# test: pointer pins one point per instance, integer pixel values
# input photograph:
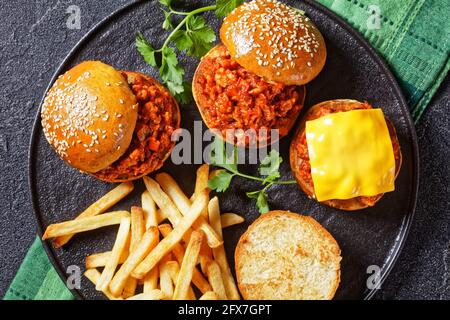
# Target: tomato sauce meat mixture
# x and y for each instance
(302, 150)
(151, 143)
(235, 98)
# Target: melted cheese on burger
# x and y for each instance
(351, 154)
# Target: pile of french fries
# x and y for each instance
(167, 246)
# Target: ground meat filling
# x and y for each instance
(302, 151)
(157, 119)
(239, 99)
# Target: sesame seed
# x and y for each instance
(286, 32)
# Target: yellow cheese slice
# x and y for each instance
(351, 154)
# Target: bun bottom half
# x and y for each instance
(118, 172)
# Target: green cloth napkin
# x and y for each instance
(412, 36)
(37, 279)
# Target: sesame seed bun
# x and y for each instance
(339, 105)
(287, 256)
(114, 125)
(274, 41)
(84, 110)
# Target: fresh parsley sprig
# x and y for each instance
(191, 35)
(269, 169)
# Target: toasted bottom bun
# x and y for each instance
(244, 101)
(340, 105)
(287, 256)
(153, 151)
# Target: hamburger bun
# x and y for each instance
(287, 256)
(203, 100)
(78, 119)
(93, 117)
(339, 105)
(274, 41)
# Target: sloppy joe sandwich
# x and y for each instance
(287, 256)
(114, 125)
(255, 79)
(345, 154)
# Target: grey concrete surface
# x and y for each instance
(33, 41)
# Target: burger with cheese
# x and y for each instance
(345, 154)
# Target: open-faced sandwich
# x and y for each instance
(345, 154)
(114, 125)
(255, 79)
(287, 256)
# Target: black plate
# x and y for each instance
(353, 70)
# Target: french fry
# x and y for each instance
(178, 202)
(165, 204)
(137, 227)
(215, 279)
(152, 220)
(147, 243)
(174, 270)
(152, 295)
(219, 253)
(162, 200)
(151, 280)
(118, 248)
(205, 256)
(137, 231)
(160, 216)
(129, 289)
(165, 280)
(210, 295)
(173, 190)
(149, 207)
(187, 266)
(99, 206)
(94, 275)
(84, 224)
(197, 278)
(98, 260)
(230, 219)
(166, 245)
(201, 183)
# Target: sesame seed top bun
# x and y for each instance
(274, 41)
(89, 116)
